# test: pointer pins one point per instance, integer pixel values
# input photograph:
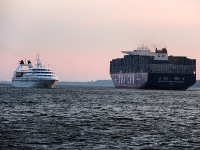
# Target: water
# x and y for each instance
(72, 117)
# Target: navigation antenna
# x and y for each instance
(36, 60)
(142, 47)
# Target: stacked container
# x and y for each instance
(115, 65)
(181, 60)
(130, 63)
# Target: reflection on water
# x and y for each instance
(72, 117)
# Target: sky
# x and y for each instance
(79, 38)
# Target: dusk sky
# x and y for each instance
(79, 38)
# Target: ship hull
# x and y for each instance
(154, 81)
(34, 83)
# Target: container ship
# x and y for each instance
(143, 69)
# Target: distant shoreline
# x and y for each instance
(91, 83)
(95, 83)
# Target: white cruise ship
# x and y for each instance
(36, 77)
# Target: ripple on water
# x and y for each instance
(73, 117)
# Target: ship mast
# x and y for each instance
(38, 57)
(39, 63)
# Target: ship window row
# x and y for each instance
(41, 72)
(160, 55)
(28, 76)
(41, 69)
(35, 78)
(47, 75)
(45, 72)
(29, 81)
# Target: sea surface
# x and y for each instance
(81, 117)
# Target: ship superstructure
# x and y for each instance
(144, 69)
(38, 76)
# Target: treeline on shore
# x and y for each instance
(89, 83)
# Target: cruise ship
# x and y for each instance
(144, 69)
(34, 77)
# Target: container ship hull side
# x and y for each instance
(129, 80)
(170, 81)
(154, 81)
